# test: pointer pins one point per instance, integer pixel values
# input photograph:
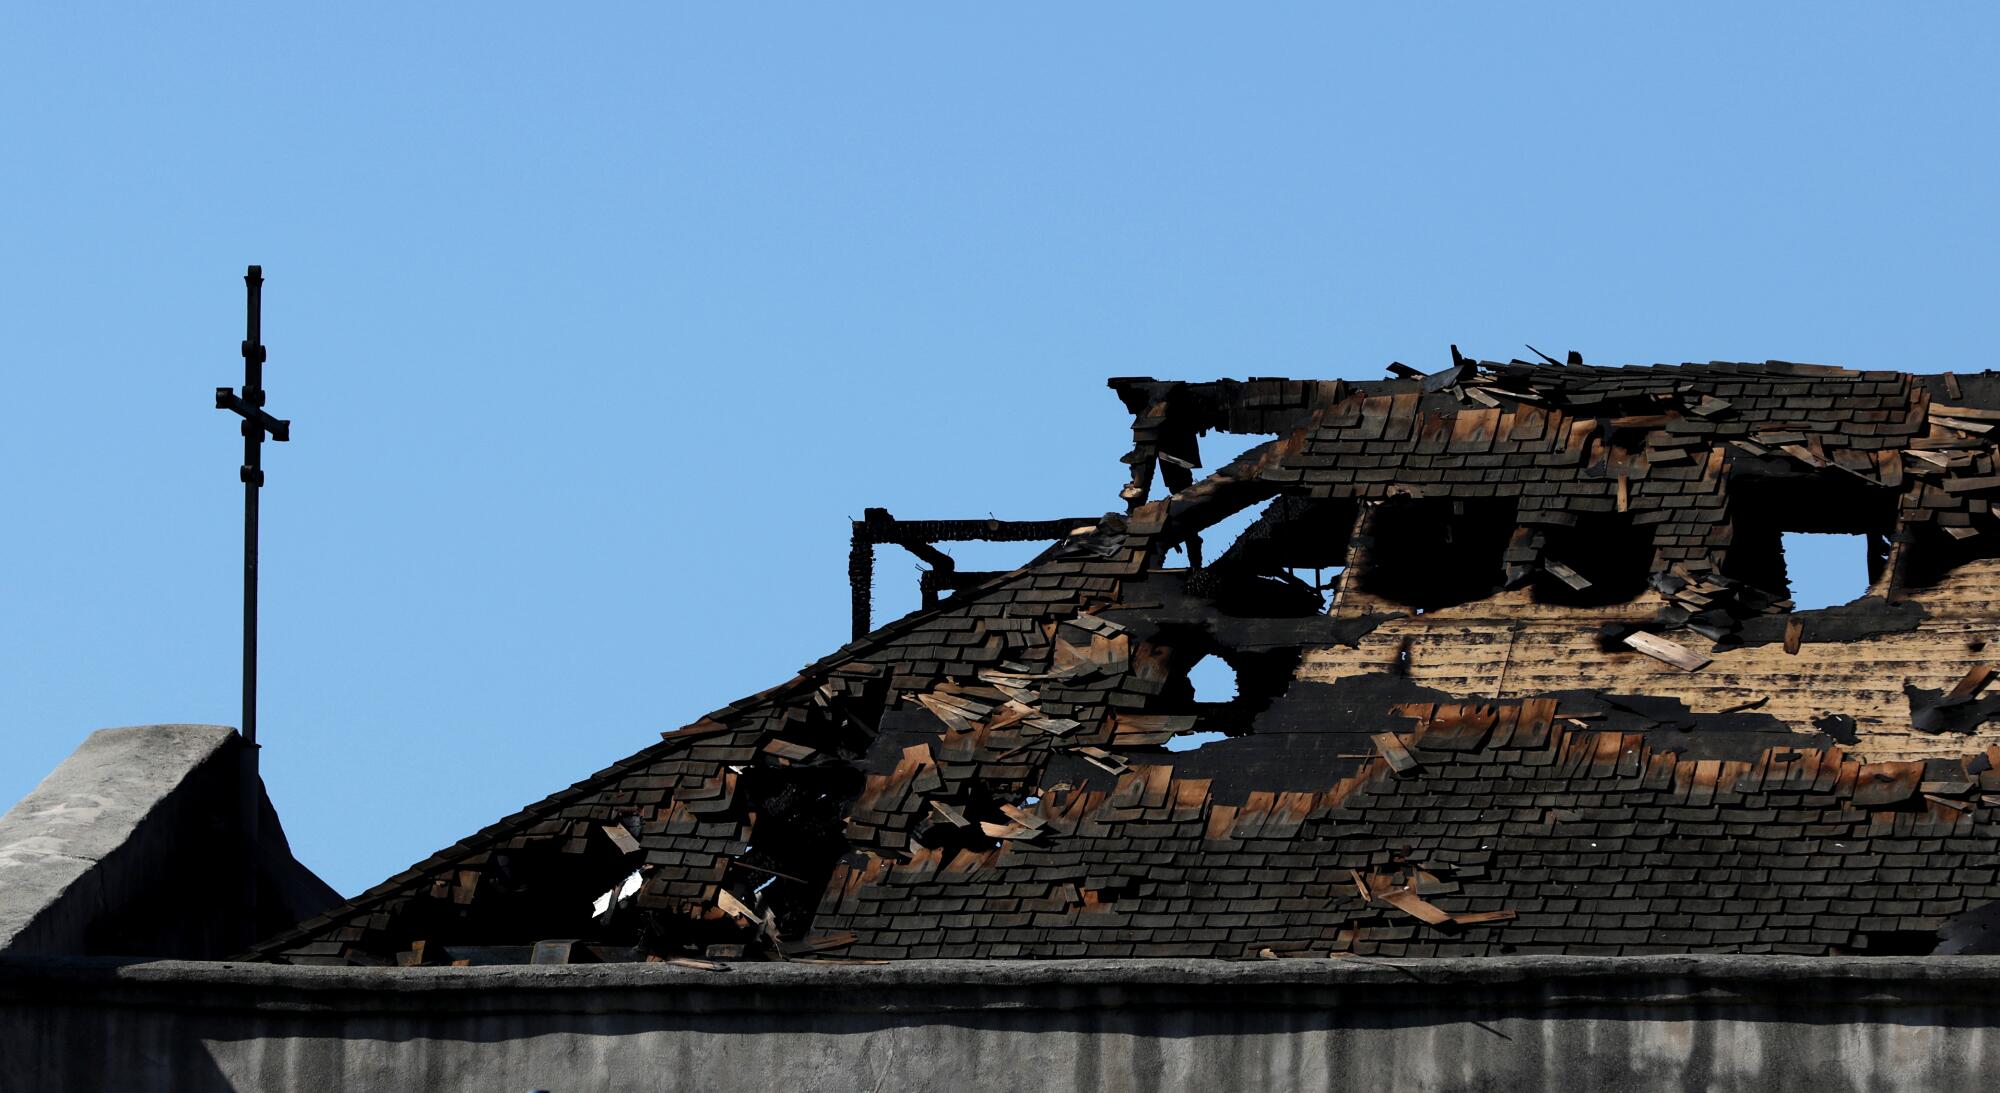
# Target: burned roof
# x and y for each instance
(1517, 671)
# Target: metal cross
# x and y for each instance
(250, 406)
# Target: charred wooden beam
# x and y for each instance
(877, 526)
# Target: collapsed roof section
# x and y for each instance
(1553, 698)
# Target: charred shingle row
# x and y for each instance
(1517, 833)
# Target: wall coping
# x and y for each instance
(969, 986)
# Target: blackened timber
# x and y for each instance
(916, 536)
(884, 528)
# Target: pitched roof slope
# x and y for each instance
(1554, 699)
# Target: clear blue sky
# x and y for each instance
(598, 323)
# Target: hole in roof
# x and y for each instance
(1825, 570)
(1174, 478)
(1217, 538)
(617, 894)
(899, 574)
(1189, 741)
(985, 555)
(1213, 680)
(1817, 540)
(1213, 446)
(1602, 559)
(1238, 445)
(1431, 553)
(1324, 580)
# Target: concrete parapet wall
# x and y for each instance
(100, 835)
(135, 846)
(1574, 1024)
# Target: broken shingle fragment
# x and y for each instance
(1659, 648)
(1566, 575)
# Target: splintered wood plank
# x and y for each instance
(730, 905)
(1803, 454)
(621, 838)
(1674, 653)
(952, 716)
(1567, 575)
(1482, 918)
(785, 749)
(1963, 425)
(1416, 906)
(1392, 748)
(1970, 685)
(1795, 632)
(1102, 759)
(1007, 831)
(1025, 818)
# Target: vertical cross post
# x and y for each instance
(249, 405)
(256, 423)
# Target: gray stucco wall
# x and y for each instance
(1543, 1023)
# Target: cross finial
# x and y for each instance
(249, 405)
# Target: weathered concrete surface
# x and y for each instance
(133, 846)
(1576, 1024)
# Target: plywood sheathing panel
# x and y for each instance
(1558, 649)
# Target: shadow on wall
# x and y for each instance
(134, 846)
(1624, 1023)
